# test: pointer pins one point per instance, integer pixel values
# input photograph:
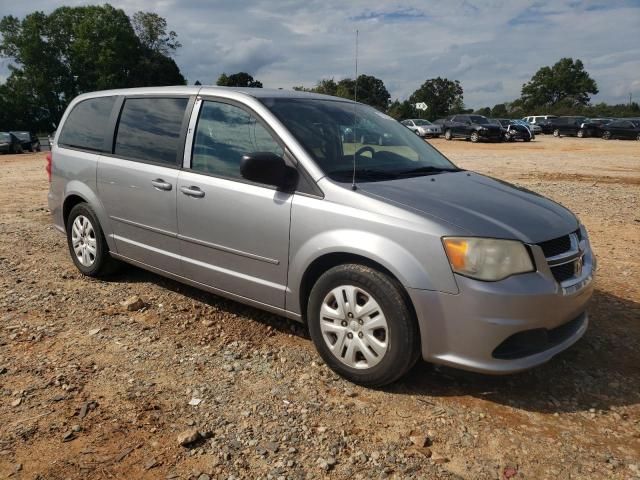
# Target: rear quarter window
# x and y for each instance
(87, 123)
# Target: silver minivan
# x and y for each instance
(386, 252)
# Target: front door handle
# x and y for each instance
(160, 184)
(192, 191)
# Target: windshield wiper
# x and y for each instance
(365, 173)
(430, 170)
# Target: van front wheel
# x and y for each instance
(361, 325)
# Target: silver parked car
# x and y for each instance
(388, 253)
(422, 128)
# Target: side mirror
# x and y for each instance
(267, 168)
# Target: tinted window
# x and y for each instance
(149, 129)
(86, 124)
(224, 134)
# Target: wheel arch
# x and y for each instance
(78, 192)
(327, 261)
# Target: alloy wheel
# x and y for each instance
(83, 240)
(606, 135)
(354, 327)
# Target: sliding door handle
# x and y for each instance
(160, 184)
(192, 191)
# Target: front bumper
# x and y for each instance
(484, 326)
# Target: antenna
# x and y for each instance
(355, 113)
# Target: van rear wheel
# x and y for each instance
(361, 325)
(87, 245)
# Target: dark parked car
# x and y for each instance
(629, 129)
(9, 143)
(567, 125)
(592, 127)
(516, 130)
(473, 127)
(546, 125)
(28, 140)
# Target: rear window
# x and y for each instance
(149, 129)
(86, 124)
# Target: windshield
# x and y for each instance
(479, 119)
(4, 137)
(422, 122)
(22, 135)
(384, 149)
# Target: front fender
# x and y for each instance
(409, 270)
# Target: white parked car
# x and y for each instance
(423, 128)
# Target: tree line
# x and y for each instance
(81, 49)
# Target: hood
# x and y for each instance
(480, 205)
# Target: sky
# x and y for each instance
(491, 46)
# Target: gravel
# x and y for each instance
(187, 385)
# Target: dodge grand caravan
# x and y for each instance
(387, 252)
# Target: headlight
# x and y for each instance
(487, 258)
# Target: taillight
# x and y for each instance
(48, 167)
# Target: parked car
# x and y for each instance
(29, 141)
(516, 130)
(423, 128)
(9, 143)
(364, 136)
(592, 127)
(387, 254)
(546, 125)
(472, 127)
(622, 128)
(567, 125)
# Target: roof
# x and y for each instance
(212, 90)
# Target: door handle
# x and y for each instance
(192, 192)
(160, 184)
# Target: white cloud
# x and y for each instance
(492, 47)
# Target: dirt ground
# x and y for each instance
(89, 390)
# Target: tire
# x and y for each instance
(638, 137)
(474, 137)
(606, 135)
(556, 133)
(527, 139)
(580, 133)
(88, 236)
(395, 338)
(447, 134)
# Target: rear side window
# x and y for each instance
(224, 134)
(149, 129)
(86, 125)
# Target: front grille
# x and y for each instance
(566, 246)
(557, 246)
(564, 272)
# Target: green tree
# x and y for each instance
(151, 30)
(499, 110)
(442, 96)
(240, 79)
(486, 111)
(565, 83)
(70, 51)
(402, 110)
(371, 90)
